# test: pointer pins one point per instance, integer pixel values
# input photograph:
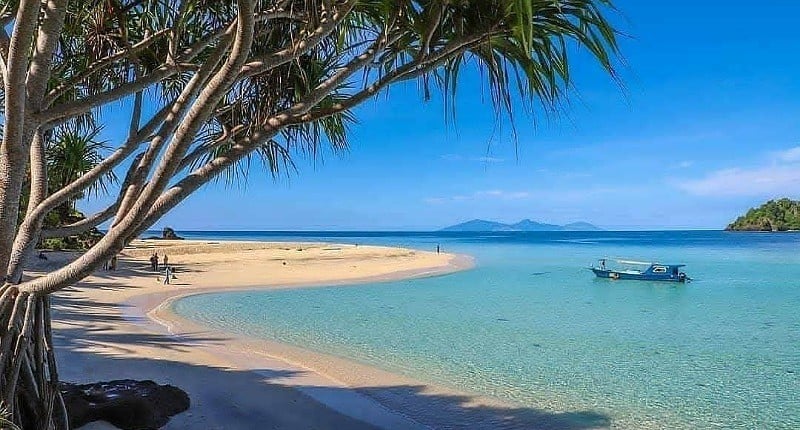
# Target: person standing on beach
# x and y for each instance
(437, 248)
(113, 263)
(166, 260)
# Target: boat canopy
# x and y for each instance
(642, 263)
(638, 263)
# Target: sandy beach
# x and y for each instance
(118, 324)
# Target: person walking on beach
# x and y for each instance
(166, 260)
(167, 274)
(437, 248)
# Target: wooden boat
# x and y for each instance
(640, 271)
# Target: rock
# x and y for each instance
(169, 234)
(126, 403)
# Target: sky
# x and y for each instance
(704, 126)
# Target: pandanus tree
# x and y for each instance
(210, 85)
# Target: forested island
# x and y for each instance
(774, 215)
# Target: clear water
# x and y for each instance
(531, 325)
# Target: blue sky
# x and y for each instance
(706, 127)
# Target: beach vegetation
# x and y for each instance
(203, 91)
(774, 215)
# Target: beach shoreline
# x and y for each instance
(327, 370)
(125, 328)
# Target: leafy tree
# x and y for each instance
(70, 154)
(774, 215)
(208, 86)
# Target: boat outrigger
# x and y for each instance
(641, 271)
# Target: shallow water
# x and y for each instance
(531, 325)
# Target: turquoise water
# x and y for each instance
(531, 325)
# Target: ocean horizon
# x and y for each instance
(532, 326)
(213, 232)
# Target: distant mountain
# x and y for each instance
(479, 225)
(528, 225)
(774, 215)
(581, 226)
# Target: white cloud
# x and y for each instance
(482, 195)
(685, 164)
(544, 196)
(506, 195)
(490, 159)
(789, 155)
(486, 159)
(759, 181)
(777, 174)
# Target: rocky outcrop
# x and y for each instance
(169, 234)
(126, 403)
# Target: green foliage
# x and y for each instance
(522, 49)
(72, 151)
(79, 242)
(54, 244)
(774, 215)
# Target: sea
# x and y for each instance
(532, 326)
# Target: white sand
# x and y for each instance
(102, 334)
(119, 325)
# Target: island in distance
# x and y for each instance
(479, 225)
(774, 215)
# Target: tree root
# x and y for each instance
(29, 386)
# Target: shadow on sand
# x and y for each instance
(227, 398)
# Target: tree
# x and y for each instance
(210, 84)
(774, 215)
(71, 153)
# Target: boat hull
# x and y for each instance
(622, 275)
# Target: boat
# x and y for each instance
(640, 271)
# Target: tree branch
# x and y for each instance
(4, 46)
(77, 107)
(298, 113)
(129, 53)
(86, 104)
(199, 113)
(410, 70)
(38, 191)
(113, 242)
(38, 76)
(13, 156)
(83, 225)
(46, 43)
(177, 111)
(102, 168)
(327, 25)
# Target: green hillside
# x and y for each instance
(774, 215)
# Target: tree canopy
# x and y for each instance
(774, 215)
(209, 86)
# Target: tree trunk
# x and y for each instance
(29, 390)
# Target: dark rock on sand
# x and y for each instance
(126, 403)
